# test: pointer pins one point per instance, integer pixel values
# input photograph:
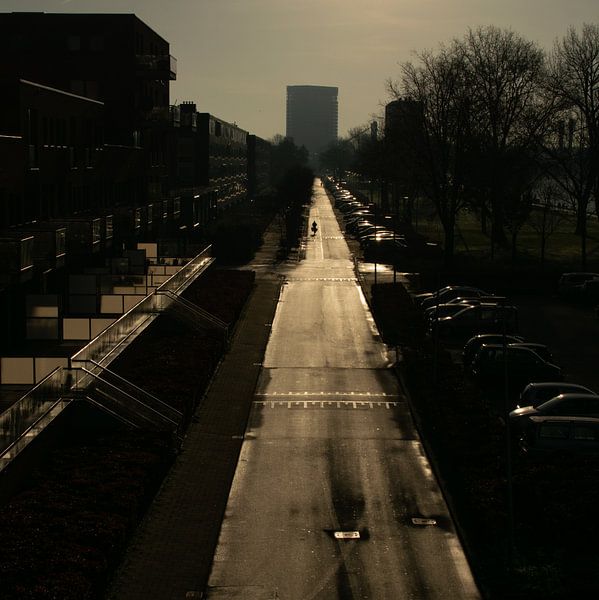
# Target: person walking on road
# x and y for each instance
(314, 228)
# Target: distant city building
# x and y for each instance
(312, 116)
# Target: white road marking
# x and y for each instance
(332, 393)
(347, 535)
(325, 404)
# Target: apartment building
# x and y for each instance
(312, 116)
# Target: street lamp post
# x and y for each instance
(392, 218)
(375, 240)
(508, 441)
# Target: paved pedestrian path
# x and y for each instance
(171, 554)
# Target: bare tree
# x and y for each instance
(337, 157)
(504, 73)
(547, 214)
(572, 152)
(430, 146)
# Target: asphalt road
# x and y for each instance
(331, 451)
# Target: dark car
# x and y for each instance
(447, 310)
(345, 207)
(448, 293)
(564, 405)
(571, 285)
(545, 434)
(384, 250)
(473, 344)
(473, 320)
(359, 217)
(358, 212)
(540, 391)
(454, 306)
(489, 367)
(541, 349)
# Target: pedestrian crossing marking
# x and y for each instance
(322, 393)
(348, 279)
(352, 404)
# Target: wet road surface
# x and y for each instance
(331, 472)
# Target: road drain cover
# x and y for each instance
(347, 535)
(420, 521)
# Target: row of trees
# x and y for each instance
(292, 180)
(491, 121)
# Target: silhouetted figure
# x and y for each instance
(314, 228)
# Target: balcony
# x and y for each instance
(84, 234)
(49, 246)
(152, 66)
(158, 114)
(16, 257)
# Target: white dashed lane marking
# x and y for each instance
(343, 404)
(345, 279)
(369, 394)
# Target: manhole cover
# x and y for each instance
(347, 535)
(420, 521)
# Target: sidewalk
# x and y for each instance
(170, 556)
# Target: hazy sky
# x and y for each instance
(236, 57)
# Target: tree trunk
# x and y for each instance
(544, 233)
(583, 246)
(449, 231)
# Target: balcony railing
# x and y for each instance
(156, 66)
(88, 377)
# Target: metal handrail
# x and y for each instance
(142, 314)
(199, 311)
(107, 344)
(128, 395)
(143, 392)
(23, 427)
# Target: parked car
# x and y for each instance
(448, 293)
(564, 405)
(345, 207)
(447, 310)
(473, 320)
(360, 217)
(523, 366)
(381, 234)
(474, 343)
(541, 349)
(540, 391)
(560, 434)
(590, 291)
(384, 250)
(456, 305)
(360, 212)
(571, 285)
